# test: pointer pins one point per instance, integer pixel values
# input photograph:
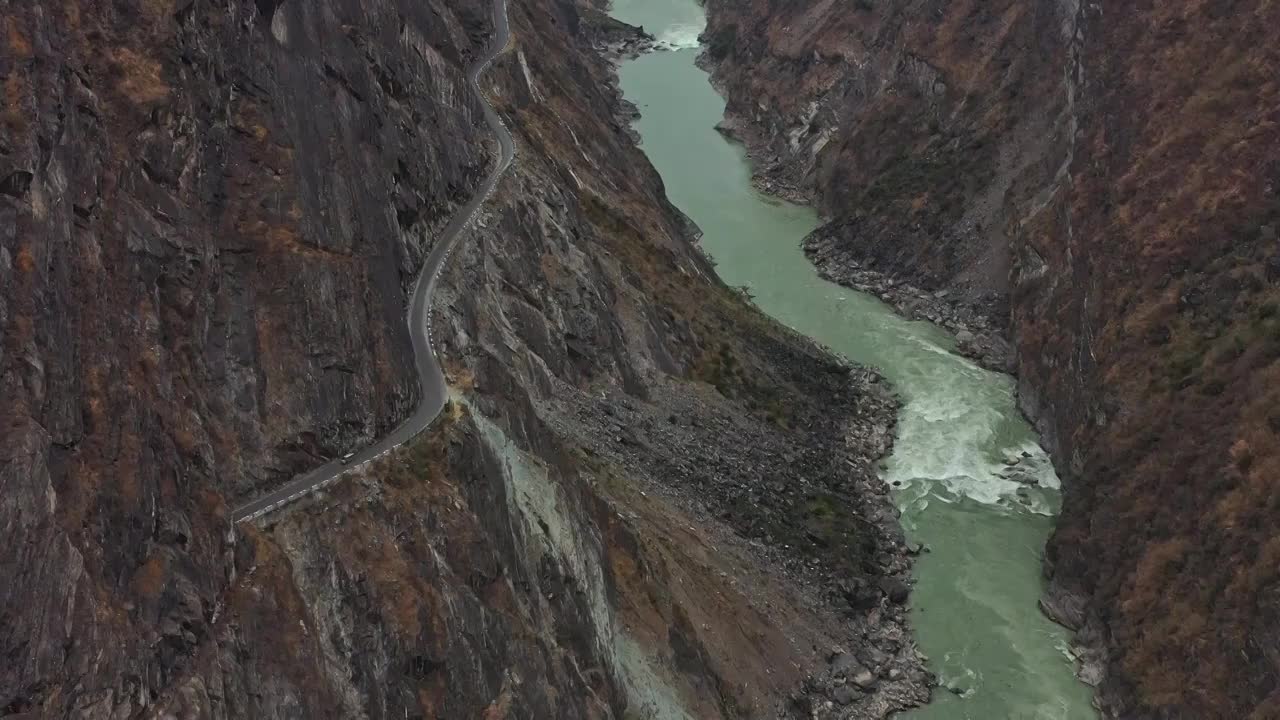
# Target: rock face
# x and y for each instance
(655, 502)
(207, 218)
(1103, 182)
(917, 131)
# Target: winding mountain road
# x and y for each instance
(435, 393)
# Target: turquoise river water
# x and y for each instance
(974, 608)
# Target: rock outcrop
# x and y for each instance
(649, 500)
(1102, 186)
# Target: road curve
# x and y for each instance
(435, 393)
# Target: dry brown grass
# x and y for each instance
(19, 45)
(158, 12)
(269, 605)
(138, 78)
(149, 579)
(15, 93)
(1184, 467)
(459, 376)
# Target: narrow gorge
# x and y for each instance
(1088, 195)
(751, 389)
(974, 488)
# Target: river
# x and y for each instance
(974, 607)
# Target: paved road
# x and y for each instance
(430, 376)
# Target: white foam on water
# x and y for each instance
(966, 681)
(950, 446)
(929, 346)
(683, 36)
(1038, 465)
(1068, 653)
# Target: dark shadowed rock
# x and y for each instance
(895, 589)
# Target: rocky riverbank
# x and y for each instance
(978, 337)
(804, 502)
(976, 320)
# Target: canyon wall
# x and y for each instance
(648, 499)
(1101, 184)
(201, 265)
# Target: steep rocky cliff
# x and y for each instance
(1100, 183)
(653, 501)
(924, 134)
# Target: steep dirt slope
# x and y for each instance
(1102, 181)
(654, 500)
